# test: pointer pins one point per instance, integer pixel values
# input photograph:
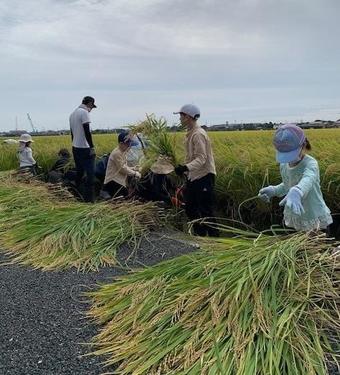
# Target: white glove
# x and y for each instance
(267, 193)
(138, 175)
(293, 200)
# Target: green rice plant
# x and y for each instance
(8, 157)
(243, 306)
(45, 149)
(159, 141)
(150, 126)
(39, 230)
(245, 162)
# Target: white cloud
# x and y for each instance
(226, 55)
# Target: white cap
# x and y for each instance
(25, 138)
(189, 109)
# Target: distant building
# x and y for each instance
(219, 127)
(16, 133)
(317, 124)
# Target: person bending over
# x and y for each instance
(117, 170)
(304, 206)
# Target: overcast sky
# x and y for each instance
(238, 60)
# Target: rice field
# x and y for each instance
(245, 162)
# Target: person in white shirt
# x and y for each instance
(82, 146)
(25, 154)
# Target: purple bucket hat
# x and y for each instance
(288, 141)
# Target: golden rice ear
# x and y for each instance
(160, 142)
(235, 306)
(43, 228)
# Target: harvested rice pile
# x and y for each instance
(244, 306)
(39, 229)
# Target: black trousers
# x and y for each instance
(33, 169)
(115, 189)
(85, 165)
(199, 201)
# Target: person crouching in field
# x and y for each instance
(304, 206)
(25, 154)
(59, 169)
(156, 185)
(117, 170)
(64, 158)
(200, 170)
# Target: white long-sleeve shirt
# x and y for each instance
(25, 156)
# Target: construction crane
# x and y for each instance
(31, 122)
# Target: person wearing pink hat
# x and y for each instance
(304, 206)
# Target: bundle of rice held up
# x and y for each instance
(242, 307)
(39, 229)
(159, 141)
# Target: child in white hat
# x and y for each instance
(25, 153)
(304, 206)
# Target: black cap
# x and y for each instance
(124, 137)
(89, 100)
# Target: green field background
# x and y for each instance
(245, 161)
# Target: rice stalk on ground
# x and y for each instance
(244, 306)
(39, 230)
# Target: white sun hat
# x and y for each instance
(162, 166)
(25, 138)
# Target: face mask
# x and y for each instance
(298, 159)
(295, 161)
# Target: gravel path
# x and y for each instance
(42, 322)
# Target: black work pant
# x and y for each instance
(115, 189)
(33, 169)
(159, 188)
(84, 162)
(199, 201)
